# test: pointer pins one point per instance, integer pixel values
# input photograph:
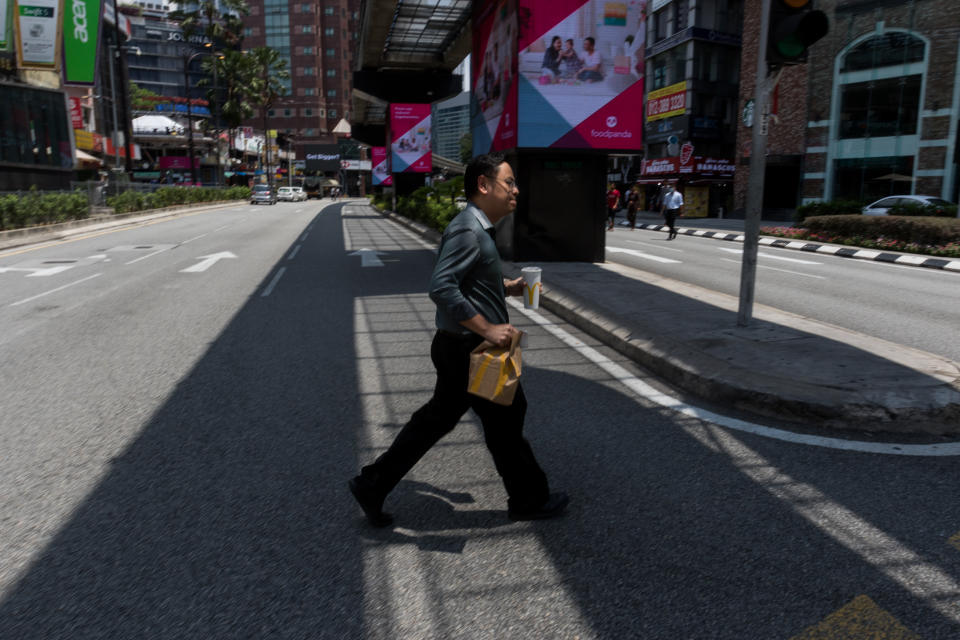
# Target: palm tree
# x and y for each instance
(268, 84)
(235, 72)
(220, 21)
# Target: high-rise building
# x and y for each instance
(317, 41)
(450, 122)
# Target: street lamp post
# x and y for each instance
(115, 50)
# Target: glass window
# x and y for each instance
(890, 49)
(880, 108)
(332, 113)
(306, 8)
(308, 112)
(306, 28)
(309, 71)
(331, 73)
(329, 11)
(308, 51)
(331, 52)
(329, 31)
(331, 93)
(309, 91)
(862, 178)
(681, 9)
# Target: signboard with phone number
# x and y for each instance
(667, 102)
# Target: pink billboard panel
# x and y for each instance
(410, 138)
(493, 71)
(580, 74)
(381, 172)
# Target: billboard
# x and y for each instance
(580, 79)
(81, 33)
(381, 170)
(493, 69)
(667, 102)
(410, 138)
(321, 157)
(38, 31)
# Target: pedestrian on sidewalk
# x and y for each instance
(470, 293)
(633, 200)
(672, 208)
(613, 201)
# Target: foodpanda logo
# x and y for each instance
(611, 121)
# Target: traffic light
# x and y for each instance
(794, 26)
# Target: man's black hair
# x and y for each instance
(485, 165)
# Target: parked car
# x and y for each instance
(882, 207)
(291, 194)
(262, 193)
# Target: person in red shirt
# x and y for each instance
(613, 202)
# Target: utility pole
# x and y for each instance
(758, 167)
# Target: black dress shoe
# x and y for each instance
(370, 503)
(553, 507)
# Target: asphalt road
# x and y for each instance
(176, 441)
(912, 306)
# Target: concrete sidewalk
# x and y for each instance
(783, 365)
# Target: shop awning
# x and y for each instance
(85, 158)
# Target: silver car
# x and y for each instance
(263, 194)
(882, 207)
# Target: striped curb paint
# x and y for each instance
(814, 247)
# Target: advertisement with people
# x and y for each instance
(493, 70)
(410, 138)
(580, 72)
(381, 170)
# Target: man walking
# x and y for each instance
(469, 291)
(671, 208)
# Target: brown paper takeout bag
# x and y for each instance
(495, 371)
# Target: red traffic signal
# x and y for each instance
(794, 26)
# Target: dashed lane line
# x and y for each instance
(61, 288)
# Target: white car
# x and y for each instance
(882, 207)
(291, 194)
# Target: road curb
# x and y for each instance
(843, 251)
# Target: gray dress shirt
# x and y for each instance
(466, 278)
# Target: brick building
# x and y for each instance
(318, 41)
(873, 113)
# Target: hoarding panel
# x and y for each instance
(81, 33)
(493, 109)
(410, 138)
(321, 157)
(381, 172)
(37, 26)
(580, 74)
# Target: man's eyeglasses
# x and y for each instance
(510, 183)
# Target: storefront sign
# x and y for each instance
(37, 30)
(683, 164)
(81, 33)
(76, 112)
(321, 157)
(667, 102)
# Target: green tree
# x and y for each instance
(220, 21)
(235, 71)
(269, 82)
(139, 98)
(466, 148)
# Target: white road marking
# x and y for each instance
(33, 272)
(763, 266)
(645, 390)
(149, 255)
(208, 261)
(46, 293)
(304, 236)
(293, 253)
(653, 246)
(645, 256)
(202, 235)
(368, 257)
(772, 256)
(273, 283)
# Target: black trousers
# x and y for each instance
(524, 480)
(671, 218)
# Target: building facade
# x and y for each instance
(450, 122)
(317, 40)
(876, 107)
(692, 82)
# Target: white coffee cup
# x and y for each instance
(531, 287)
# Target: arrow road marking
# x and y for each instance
(368, 257)
(207, 261)
(640, 254)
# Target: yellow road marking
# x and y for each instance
(860, 619)
(955, 540)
